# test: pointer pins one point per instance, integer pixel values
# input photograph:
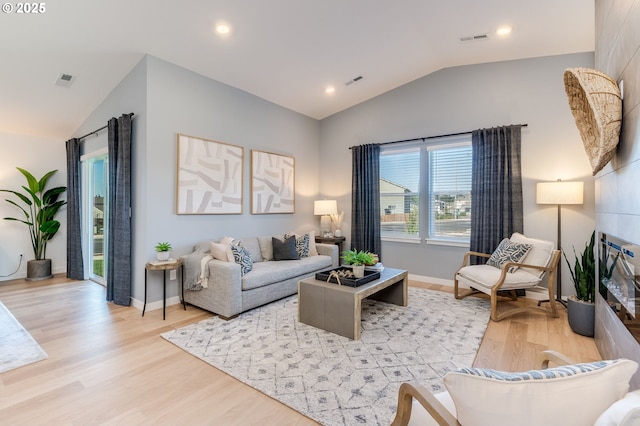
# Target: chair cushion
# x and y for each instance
(420, 416)
(508, 251)
(624, 412)
(575, 394)
(539, 255)
(484, 277)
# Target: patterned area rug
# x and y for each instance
(17, 347)
(335, 380)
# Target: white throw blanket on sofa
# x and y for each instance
(203, 279)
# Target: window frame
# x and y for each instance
(425, 191)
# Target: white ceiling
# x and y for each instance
(285, 51)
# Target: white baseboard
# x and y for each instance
(151, 306)
(431, 280)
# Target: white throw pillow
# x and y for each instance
(575, 394)
(625, 412)
(221, 251)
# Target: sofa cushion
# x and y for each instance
(266, 247)
(252, 244)
(265, 273)
(284, 249)
(539, 397)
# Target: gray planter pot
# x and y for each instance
(39, 270)
(581, 316)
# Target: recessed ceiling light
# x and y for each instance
(329, 90)
(223, 29)
(503, 31)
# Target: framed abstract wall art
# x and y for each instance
(272, 183)
(209, 177)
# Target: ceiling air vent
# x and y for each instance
(353, 80)
(477, 37)
(65, 80)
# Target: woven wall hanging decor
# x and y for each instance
(596, 105)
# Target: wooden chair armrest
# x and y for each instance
(407, 392)
(467, 255)
(547, 356)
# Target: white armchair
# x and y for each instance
(576, 394)
(518, 263)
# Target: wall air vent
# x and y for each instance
(65, 80)
(477, 37)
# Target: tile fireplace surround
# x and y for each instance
(617, 331)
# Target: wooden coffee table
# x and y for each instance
(338, 308)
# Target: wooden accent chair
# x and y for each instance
(500, 277)
(573, 394)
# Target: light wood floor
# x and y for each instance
(108, 365)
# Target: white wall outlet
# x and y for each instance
(172, 274)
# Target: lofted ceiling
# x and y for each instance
(284, 51)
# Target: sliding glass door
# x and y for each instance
(94, 214)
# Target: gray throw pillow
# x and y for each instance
(508, 251)
(284, 250)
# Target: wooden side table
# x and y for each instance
(164, 267)
(332, 240)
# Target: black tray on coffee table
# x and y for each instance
(351, 282)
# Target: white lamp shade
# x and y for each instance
(559, 192)
(323, 207)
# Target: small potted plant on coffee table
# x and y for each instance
(162, 250)
(358, 259)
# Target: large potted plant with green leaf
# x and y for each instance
(39, 207)
(581, 307)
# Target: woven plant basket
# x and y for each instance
(596, 105)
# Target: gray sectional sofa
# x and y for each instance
(217, 285)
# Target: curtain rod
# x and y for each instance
(435, 137)
(100, 129)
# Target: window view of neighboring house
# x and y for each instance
(443, 210)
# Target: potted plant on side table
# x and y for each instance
(581, 307)
(39, 207)
(358, 260)
(162, 251)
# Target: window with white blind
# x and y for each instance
(425, 191)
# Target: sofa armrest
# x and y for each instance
(224, 288)
(192, 265)
(329, 250)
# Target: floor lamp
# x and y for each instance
(559, 193)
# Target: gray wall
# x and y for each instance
(168, 100)
(617, 185)
(463, 99)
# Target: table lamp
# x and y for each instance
(324, 209)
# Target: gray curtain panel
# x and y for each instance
(496, 187)
(75, 265)
(118, 261)
(365, 198)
